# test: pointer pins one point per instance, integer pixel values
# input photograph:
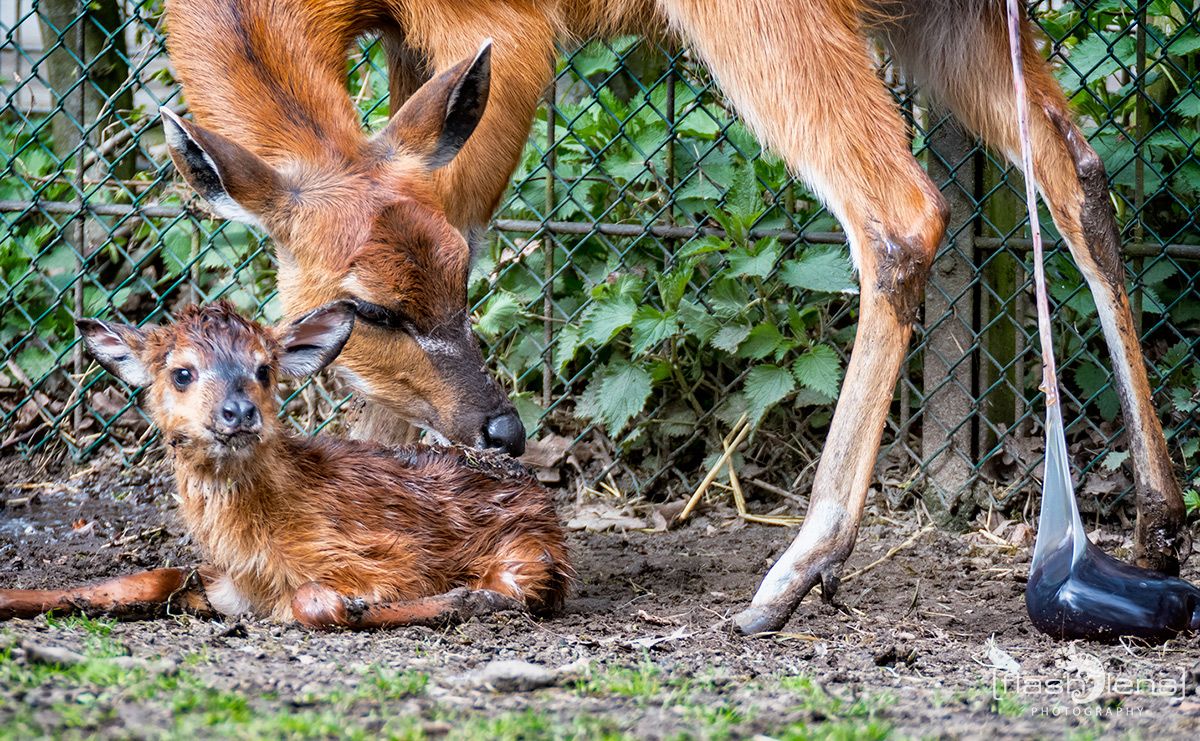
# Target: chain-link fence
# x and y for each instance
(652, 275)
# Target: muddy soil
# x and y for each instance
(926, 630)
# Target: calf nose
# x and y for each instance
(239, 415)
(505, 432)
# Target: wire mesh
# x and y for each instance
(651, 275)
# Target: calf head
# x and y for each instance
(211, 377)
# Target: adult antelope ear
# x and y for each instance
(312, 342)
(237, 183)
(436, 121)
(118, 348)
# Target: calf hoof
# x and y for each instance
(319, 606)
(476, 602)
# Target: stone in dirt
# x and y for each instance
(521, 676)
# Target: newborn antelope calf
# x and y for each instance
(330, 532)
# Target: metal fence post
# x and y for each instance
(947, 439)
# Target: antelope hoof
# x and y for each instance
(765, 619)
(319, 606)
(477, 602)
(787, 583)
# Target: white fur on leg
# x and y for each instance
(225, 598)
(820, 527)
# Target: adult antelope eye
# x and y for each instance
(182, 378)
(263, 374)
(381, 316)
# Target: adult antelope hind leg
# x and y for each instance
(963, 60)
(806, 85)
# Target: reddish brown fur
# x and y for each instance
(799, 72)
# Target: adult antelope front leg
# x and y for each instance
(808, 88)
(847, 462)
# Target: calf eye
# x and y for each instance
(263, 374)
(182, 378)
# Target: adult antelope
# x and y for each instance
(387, 220)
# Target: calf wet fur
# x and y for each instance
(323, 530)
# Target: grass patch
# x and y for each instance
(183, 705)
(94, 626)
(643, 681)
(819, 703)
(836, 731)
(1003, 702)
(100, 698)
(531, 725)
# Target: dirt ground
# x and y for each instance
(930, 641)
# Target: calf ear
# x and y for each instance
(237, 183)
(312, 342)
(118, 348)
(438, 119)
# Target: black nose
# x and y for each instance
(238, 414)
(505, 432)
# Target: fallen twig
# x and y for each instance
(741, 429)
(739, 499)
(908, 543)
(127, 539)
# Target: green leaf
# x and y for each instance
(1096, 382)
(819, 369)
(676, 421)
(697, 321)
(745, 198)
(1113, 460)
(755, 261)
(528, 410)
(566, 344)
(1191, 501)
(1093, 60)
(1184, 400)
(766, 385)
(594, 58)
(616, 395)
(728, 338)
(701, 123)
(1188, 105)
(728, 297)
(824, 269)
(499, 314)
(607, 317)
(674, 284)
(1184, 44)
(701, 246)
(650, 327)
(762, 341)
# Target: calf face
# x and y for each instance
(212, 375)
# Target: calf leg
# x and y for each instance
(964, 62)
(318, 606)
(806, 85)
(133, 597)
